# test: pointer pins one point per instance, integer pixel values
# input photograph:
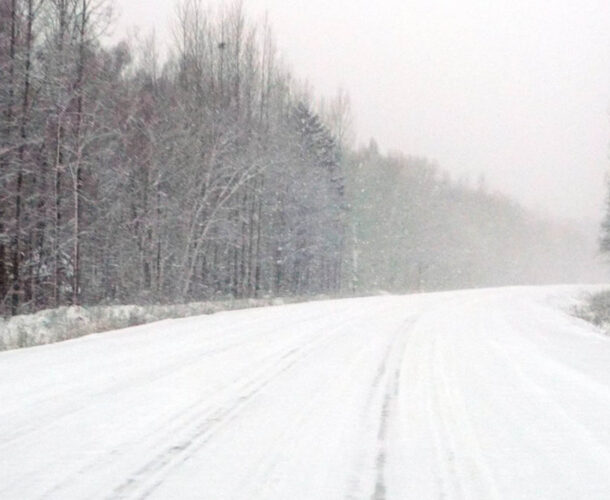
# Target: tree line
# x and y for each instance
(126, 180)
(208, 172)
(415, 229)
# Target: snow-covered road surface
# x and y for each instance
(465, 395)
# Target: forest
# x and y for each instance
(138, 174)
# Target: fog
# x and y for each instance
(419, 187)
(212, 160)
(514, 91)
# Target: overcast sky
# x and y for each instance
(517, 90)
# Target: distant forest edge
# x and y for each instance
(213, 173)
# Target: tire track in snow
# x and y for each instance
(396, 351)
(193, 357)
(150, 476)
(201, 418)
(472, 470)
(264, 477)
(445, 447)
(379, 406)
(194, 414)
(387, 409)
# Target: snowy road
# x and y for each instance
(467, 395)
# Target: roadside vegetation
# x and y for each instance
(65, 323)
(596, 310)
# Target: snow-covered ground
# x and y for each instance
(477, 394)
(63, 323)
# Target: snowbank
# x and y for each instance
(55, 325)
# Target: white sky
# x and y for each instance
(517, 90)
